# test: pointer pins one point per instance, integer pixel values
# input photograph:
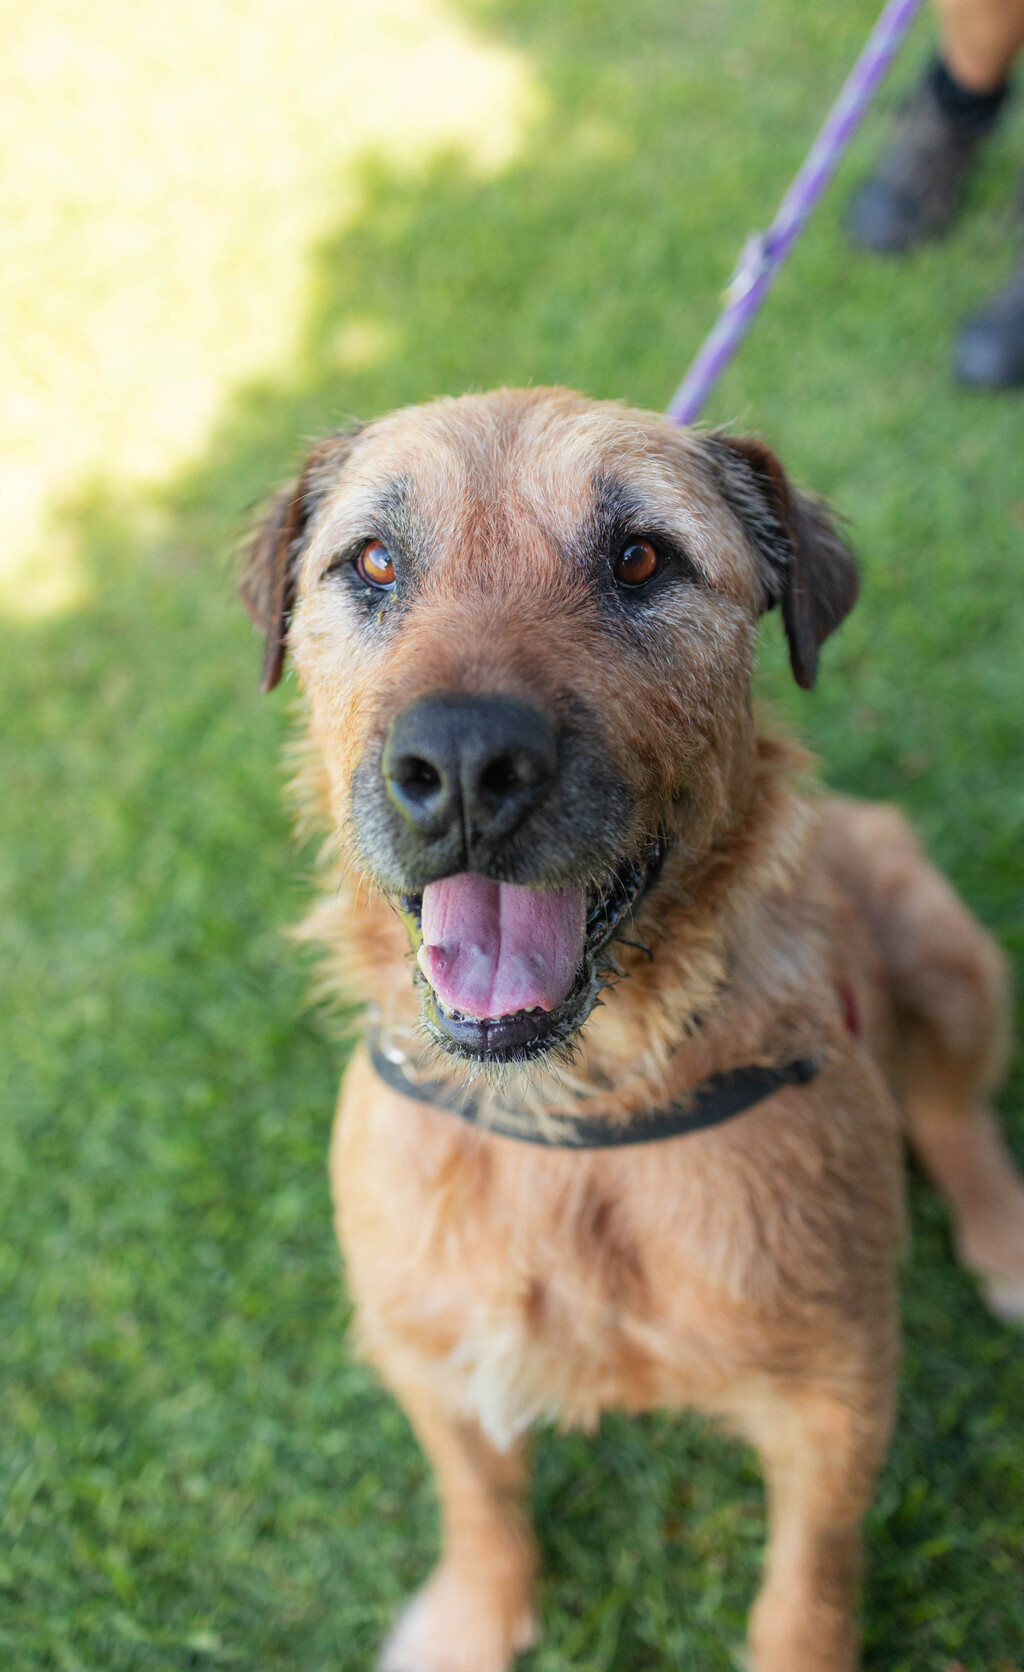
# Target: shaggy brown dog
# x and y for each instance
(524, 623)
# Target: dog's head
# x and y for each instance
(525, 624)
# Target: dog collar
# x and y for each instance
(717, 1099)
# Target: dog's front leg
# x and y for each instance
(821, 1451)
(475, 1612)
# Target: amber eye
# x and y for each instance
(636, 563)
(374, 566)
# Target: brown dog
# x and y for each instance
(524, 623)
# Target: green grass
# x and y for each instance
(196, 1471)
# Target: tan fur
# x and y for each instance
(748, 1270)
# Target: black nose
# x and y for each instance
(475, 766)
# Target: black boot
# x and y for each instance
(919, 185)
(989, 351)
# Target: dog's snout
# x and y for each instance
(472, 767)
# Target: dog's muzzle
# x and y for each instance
(490, 821)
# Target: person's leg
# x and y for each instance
(918, 187)
(980, 40)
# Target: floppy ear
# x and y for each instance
(270, 567)
(806, 566)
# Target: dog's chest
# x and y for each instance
(544, 1345)
(536, 1297)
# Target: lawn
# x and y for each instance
(227, 229)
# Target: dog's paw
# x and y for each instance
(452, 1625)
(1004, 1297)
(994, 1252)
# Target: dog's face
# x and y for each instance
(525, 624)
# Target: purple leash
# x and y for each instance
(765, 252)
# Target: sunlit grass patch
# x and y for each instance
(166, 173)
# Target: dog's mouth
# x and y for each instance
(510, 972)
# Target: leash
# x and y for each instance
(717, 1099)
(764, 252)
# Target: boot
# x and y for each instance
(989, 349)
(919, 185)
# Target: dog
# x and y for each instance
(587, 899)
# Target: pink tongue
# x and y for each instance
(493, 948)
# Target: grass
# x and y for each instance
(196, 1470)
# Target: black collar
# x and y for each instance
(716, 1099)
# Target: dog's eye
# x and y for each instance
(374, 566)
(636, 564)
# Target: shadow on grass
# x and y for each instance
(198, 1470)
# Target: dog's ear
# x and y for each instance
(806, 566)
(270, 566)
